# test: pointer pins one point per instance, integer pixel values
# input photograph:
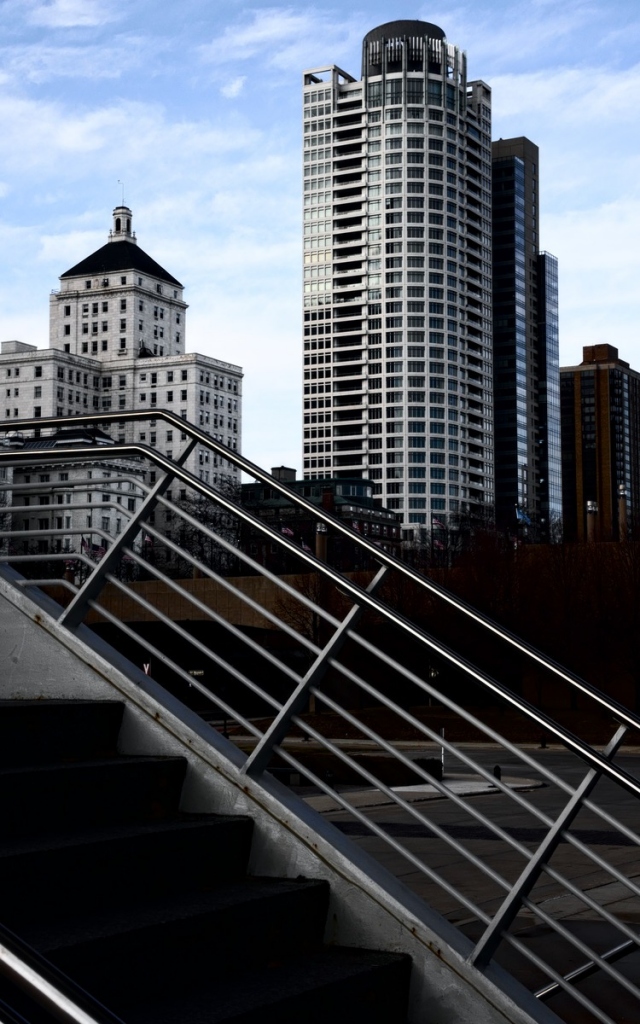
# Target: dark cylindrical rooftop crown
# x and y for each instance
(396, 31)
(403, 30)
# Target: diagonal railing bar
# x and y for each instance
(215, 617)
(231, 712)
(75, 612)
(259, 758)
(496, 737)
(397, 799)
(601, 911)
(498, 783)
(563, 735)
(587, 970)
(560, 980)
(356, 593)
(202, 648)
(381, 833)
(497, 926)
(65, 584)
(577, 943)
(239, 594)
(490, 940)
(516, 797)
(431, 780)
(567, 738)
(251, 469)
(251, 562)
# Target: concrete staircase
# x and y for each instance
(151, 910)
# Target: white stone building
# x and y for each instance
(117, 343)
(397, 276)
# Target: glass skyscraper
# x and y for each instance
(398, 373)
(525, 349)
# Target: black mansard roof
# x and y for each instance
(116, 256)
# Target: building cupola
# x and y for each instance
(121, 230)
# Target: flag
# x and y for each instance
(438, 544)
(522, 516)
(356, 525)
(438, 524)
(305, 547)
(287, 532)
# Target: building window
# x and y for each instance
(37, 412)
(67, 310)
(37, 371)
(37, 392)
(87, 284)
(123, 280)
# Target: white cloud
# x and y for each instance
(287, 39)
(72, 13)
(42, 62)
(124, 133)
(517, 32)
(234, 87)
(574, 96)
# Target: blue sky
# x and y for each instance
(196, 107)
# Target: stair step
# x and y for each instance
(63, 873)
(332, 984)
(43, 731)
(169, 946)
(54, 796)
(150, 910)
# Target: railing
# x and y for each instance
(331, 680)
(45, 985)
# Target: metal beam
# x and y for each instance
(504, 916)
(259, 758)
(74, 614)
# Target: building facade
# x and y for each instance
(525, 348)
(117, 343)
(398, 374)
(350, 500)
(600, 402)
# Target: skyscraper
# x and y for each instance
(600, 446)
(525, 346)
(397, 276)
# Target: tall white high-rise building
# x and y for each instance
(397, 276)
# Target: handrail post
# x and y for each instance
(504, 916)
(259, 758)
(75, 612)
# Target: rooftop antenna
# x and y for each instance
(121, 183)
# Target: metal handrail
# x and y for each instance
(47, 985)
(282, 716)
(357, 594)
(251, 469)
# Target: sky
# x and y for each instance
(196, 108)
